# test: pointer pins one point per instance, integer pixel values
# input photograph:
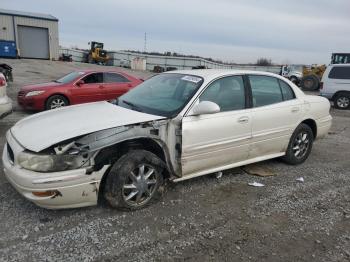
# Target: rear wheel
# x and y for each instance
(56, 101)
(135, 180)
(342, 101)
(310, 83)
(300, 145)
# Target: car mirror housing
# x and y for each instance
(80, 83)
(205, 107)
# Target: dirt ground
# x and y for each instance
(204, 219)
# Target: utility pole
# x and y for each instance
(145, 46)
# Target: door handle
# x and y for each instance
(243, 119)
(101, 86)
(295, 109)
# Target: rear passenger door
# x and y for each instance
(115, 85)
(275, 114)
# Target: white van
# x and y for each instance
(335, 85)
(5, 101)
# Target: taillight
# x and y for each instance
(2, 81)
(321, 85)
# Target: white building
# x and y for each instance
(35, 35)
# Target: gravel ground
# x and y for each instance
(204, 219)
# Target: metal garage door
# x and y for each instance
(33, 42)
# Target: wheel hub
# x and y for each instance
(140, 185)
(343, 102)
(308, 83)
(301, 145)
(57, 103)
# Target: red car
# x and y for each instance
(75, 88)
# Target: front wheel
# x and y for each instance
(135, 180)
(299, 146)
(56, 101)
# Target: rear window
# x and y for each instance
(265, 90)
(340, 72)
(287, 92)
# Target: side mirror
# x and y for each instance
(205, 107)
(80, 83)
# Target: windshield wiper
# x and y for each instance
(133, 106)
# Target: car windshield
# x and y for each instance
(69, 78)
(164, 94)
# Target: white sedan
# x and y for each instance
(5, 101)
(176, 125)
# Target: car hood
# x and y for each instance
(40, 86)
(42, 130)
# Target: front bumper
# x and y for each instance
(32, 102)
(74, 187)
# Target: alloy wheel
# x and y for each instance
(301, 145)
(343, 102)
(57, 103)
(140, 185)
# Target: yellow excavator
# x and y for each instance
(97, 55)
(312, 76)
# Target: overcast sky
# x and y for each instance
(294, 31)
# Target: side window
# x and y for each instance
(265, 90)
(227, 92)
(115, 78)
(287, 91)
(93, 78)
(340, 72)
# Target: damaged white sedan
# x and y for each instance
(176, 125)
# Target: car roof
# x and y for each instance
(214, 73)
(334, 65)
(211, 74)
(85, 71)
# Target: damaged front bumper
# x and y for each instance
(56, 190)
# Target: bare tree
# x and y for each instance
(263, 62)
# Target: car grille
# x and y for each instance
(21, 93)
(10, 154)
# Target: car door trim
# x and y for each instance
(236, 164)
(223, 145)
(272, 132)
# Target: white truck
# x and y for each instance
(293, 73)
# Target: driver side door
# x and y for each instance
(90, 91)
(212, 142)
